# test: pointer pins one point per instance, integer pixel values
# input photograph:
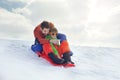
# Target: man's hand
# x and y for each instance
(55, 41)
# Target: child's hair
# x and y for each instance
(53, 30)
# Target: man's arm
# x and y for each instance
(38, 35)
(61, 37)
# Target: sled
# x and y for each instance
(42, 55)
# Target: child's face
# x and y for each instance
(53, 34)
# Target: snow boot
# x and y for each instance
(67, 58)
(55, 59)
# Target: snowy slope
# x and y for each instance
(18, 62)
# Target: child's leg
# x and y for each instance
(55, 59)
(49, 52)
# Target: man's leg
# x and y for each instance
(64, 47)
(37, 47)
(62, 38)
(65, 51)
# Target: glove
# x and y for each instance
(55, 41)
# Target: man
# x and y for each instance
(42, 44)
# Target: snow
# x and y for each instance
(18, 62)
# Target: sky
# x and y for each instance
(85, 22)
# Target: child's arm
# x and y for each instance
(55, 41)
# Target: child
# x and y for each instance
(53, 36)
(57, 48)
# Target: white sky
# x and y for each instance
(85, 22)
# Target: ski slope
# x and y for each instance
(18, 62)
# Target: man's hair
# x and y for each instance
(45, 24)
(54, 30)
(51, 25)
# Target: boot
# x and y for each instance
(67, 58)
(71, 62)
(55, 59)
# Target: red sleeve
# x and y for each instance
(39, 36)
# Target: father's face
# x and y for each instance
(45, 31)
